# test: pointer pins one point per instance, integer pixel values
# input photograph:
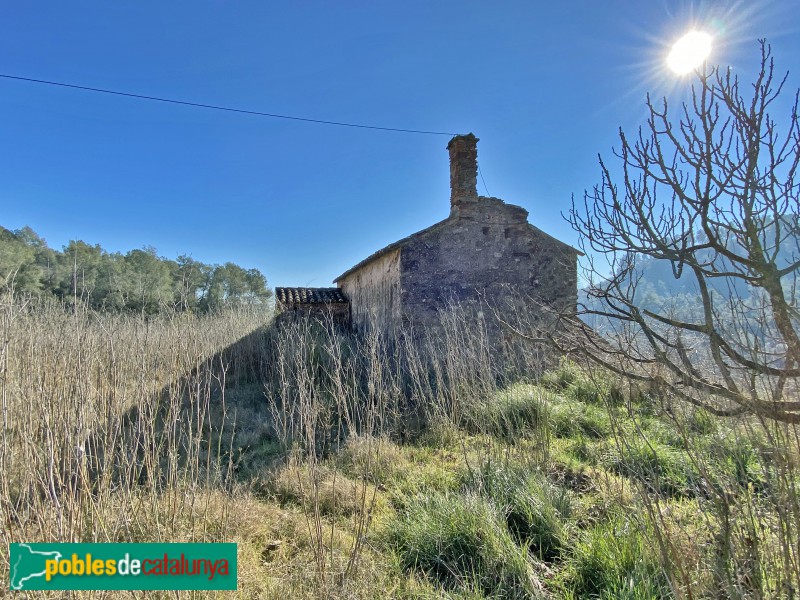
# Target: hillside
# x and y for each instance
(658, 289)
(340, 475)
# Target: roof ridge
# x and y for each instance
(392, 246)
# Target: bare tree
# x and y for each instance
(713, 194)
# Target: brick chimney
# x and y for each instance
(463, 169)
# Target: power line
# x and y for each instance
(223, 108)
(483, 180)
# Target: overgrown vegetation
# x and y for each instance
(298, 443)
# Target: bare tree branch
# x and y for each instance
(710, 190)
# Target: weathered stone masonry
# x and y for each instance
(485, 251)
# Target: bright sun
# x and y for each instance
(689, 52)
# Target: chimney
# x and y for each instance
(463, 169)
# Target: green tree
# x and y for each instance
(18, 266)
(77, 271)
(139, 280)
(190, 282)
(231, 284)
(44, 256)
(147, 281)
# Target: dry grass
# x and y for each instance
(341, 466)
(107, 429)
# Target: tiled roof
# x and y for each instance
(302, 295)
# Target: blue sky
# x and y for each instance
(545, 86)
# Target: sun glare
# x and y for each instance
(689, 52)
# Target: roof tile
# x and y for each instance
(302, 295)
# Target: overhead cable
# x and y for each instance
(223, 108)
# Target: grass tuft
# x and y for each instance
(462, 543)
(662, 469)
(615, 560)
(574, 419)
(534, 510)
(511, 414)
(332, 492)
(561, 378)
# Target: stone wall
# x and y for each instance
(486, 251)
(484, 255)
(374, 293)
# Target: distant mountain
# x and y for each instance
(659, 290)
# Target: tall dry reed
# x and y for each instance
(106, 430)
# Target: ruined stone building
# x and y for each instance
(484, 252)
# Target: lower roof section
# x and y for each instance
(305, 295)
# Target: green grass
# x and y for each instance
(572, 419)
(737, 460)
(608, 457)
(580, 386)
(660, 468)
(561, 378)
(475, 510)
(461, 542)
(521, 410)
(533, 509)
(614, 560)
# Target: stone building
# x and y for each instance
(484, 252)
